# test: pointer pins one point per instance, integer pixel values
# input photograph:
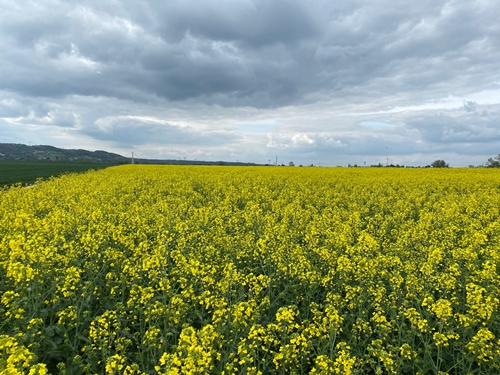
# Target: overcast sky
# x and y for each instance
(311, 81)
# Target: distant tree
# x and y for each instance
(494, 162)
(291, 164)
(439, 164)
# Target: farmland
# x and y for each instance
(222, 270)
(27, 172)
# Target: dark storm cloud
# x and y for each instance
(241, 52)
(252, 23)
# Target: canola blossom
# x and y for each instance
(257, 270)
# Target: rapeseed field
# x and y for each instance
(225, 270)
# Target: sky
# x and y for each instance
(313, 82)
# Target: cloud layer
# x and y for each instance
(313, 82)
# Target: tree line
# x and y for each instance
(494, 162)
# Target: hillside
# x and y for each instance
(11, 151)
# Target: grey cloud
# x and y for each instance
(11, 108)
(239, 52)
(466, 126)
(31, 112)
(254, 23)
(126, 132)
(56, 117)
